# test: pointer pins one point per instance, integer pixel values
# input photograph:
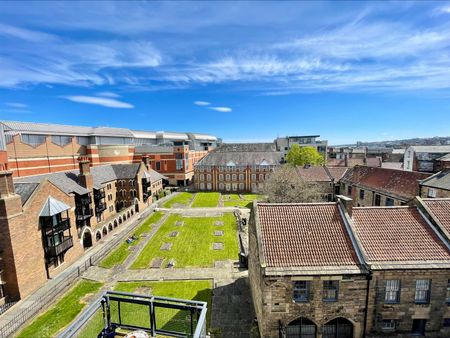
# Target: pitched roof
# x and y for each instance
(337, 172)
(440, 207)
(245, 147)
(399, 183)
(305, 235)
(25, 190)
(394, 236)
(392, 165)
(313, 174)
(52, 207)
(351, 162)
(431, 149)
(440, 180)
(241, 158)
(444, 158)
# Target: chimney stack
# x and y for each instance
(85, 175)
(146, 160)
(347, 203)
(346, 159)
(6, 183)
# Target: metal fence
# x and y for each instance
(66, 279)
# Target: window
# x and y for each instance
(179, 164)
(330, 290)
(261, 177)
(418, 327)
(208, 177)
(361, 194)
(392, 291)
(202, 186)
(202, 177)
(349, 190)
(220, 177)
(241, 186)
(448, 291)
(422, 291)
(227, 177)
(234, 177)
(158, 165)
(388, 324)
(377, 200)
(446, 322)
(431, 192)
(253, 177)
(241, 177)
(389, 202)
(301, 291)
(221, 186)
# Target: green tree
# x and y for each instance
(304, 155)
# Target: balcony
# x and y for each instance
(83, 202)
(83, 213)
(54, 251)
(62, 225)
(100, 207)
(99, 194)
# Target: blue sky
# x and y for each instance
(244, 71)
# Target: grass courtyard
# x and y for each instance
(168, 319)
(192, 245)
(120, 254)
(243, 200)
(61, 313)
(182, 199)
(206, 200)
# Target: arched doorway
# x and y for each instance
(98, 236)
(110, 227)
(128, 214)
(124, 217)
(338, 328)
(136, 205)
(120, 220)
(301, 328)
(87, 239)
(115, 223)
(104, 231)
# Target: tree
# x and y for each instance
(304, 155)
(285, 185)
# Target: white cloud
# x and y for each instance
(16, 105)
(221, 109)
(202, 103)
(100, 101)
(108, 94)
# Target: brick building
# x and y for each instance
(424, 158)
(237, 167)
(329, 270)
(47, 221)
(369, 186)
(437, 185)
(284, 144)
(327, 179)
(38, 148)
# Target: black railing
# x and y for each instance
(98, 195)
(62, 225)
(83, 212)
(100, 207)
(53, 251)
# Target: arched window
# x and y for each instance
(301, 328)
(338, 328)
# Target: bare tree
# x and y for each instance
(285, 185)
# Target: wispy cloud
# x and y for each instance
(221, 109)
(202, 103)
(16, 105)
(100, 101)
(108, 94)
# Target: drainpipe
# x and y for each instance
(369, 278)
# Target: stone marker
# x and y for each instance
(218, 233)
(217, 246)
(166, 246)
(218, 223)
(174, 234)
(157, 262)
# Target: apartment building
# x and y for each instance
(39, 148)
(330, 270)
(48, 221)
(237, 167)
(370, 186)
(424, 158)
(283, 144)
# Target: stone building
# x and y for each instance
(369, 186)
(424, 158)
(329, 270)
(237, 167)
(39, 148)
(47, 221)
(284, 144)
(442, 163)
(437, 185)
(326, 179)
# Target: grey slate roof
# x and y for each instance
(66, 181)
(441, 180)
(245, 147)
(241, 158)
(25, 190)
(123, 171)
(444, 158)
(431, 149)
(52, 207)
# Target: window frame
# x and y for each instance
(428, 292)
(331, 285)
(304, 290)
(397, 291)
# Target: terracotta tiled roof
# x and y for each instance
(404, 184)
(397, 234)
(314, 174)
(440, 209)
(304, 235)
(337, 172)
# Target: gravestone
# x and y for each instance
(218, 223)
(157, 262)
(174, 234)
(166, 246)
(179, 223)
(217, 246)
(218, 233)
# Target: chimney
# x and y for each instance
(146, 160)
(6, 183)
(85, 175)
(347, 203)
(346, 159)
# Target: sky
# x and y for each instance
(243, 71)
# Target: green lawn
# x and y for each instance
(183, 199)
(233, 200)
(206, 200)
(193, 245)
(62, 313)
(120, 254)
(165, 318)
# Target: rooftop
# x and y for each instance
(241, 158)
(440, 208)
(430, 149)
(305, 235)
(403, 184)
(394, 236)
(440, 180)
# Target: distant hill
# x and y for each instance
(428, 141)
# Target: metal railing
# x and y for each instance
(66, 279)
(129, 311)
(54, 251)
